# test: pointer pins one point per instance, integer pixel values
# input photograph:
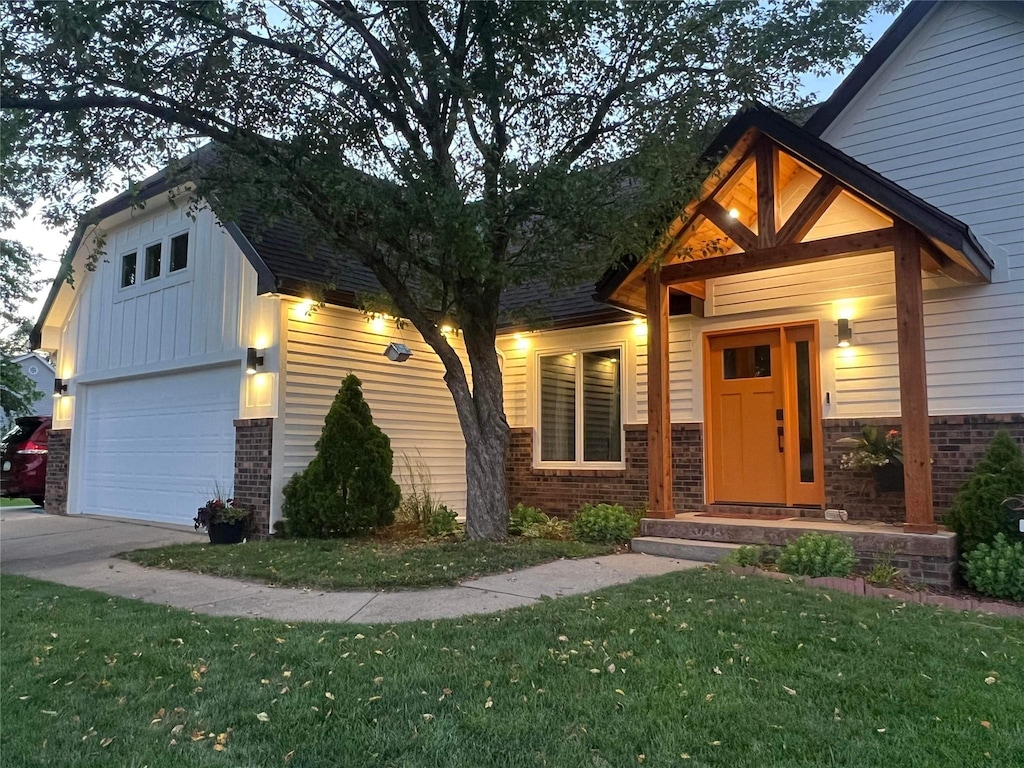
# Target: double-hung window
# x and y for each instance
(581, 407)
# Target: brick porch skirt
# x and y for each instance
(957, 444)
(254, 448)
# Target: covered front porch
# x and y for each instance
(780, 197)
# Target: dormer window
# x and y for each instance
(153, 254)
(128, 269)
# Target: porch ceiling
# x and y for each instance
(782, 197)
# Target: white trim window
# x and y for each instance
(580, 408)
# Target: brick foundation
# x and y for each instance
(254, 443)
(563, 491)
(58, 460)
(958, 443)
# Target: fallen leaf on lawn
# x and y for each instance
(51, 712)
(106, 742)
(717, 671)
(360, 637)
(595, 671)
(218, 747)
(177, 729)
(880, 730)
(790, 691)
(263, 717)
(684, 756)
(986, 724)
(329, 695)
(375, 698)
(611, 667)
(198, 735)
(427, 716)
(563, 639)
(489, 703)
(989, 680)
(288, 756)
(620, 692)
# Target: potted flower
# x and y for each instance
(880, 452)
(223, 521)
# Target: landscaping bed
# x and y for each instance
(364, 563)
(696, 668)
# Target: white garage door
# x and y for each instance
(156, 447)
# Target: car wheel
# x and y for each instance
(37, 500)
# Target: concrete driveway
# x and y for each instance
(80, 551)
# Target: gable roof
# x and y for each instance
(34, 355)
(948, 234)
(866, 68)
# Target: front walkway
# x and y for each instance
(80, 551)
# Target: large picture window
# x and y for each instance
(581, 407)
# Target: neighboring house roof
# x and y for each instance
(866, 68)
(34, 356)
(947, 232)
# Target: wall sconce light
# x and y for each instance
(397, 352)
(253, 361)
(59, 388)
(844, 332)
(734, 213)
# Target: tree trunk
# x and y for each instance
(487, 439)
(486, 491)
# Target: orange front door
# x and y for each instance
(763, 417)
(745, 411)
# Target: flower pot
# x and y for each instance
(889, 478)
(226, 533)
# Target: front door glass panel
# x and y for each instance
(804, 411)
(754, 362)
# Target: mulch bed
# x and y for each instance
(857, 586)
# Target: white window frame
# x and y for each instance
(579, 463)
(166, 278)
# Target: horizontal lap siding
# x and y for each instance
(946, 120)
(410, 401)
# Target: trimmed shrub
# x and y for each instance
(816, 554)
(997, 569)
(604, 524)
(443, 522)
(347, 489)
(979, 511)
(522, 518)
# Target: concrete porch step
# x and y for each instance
(683, 549)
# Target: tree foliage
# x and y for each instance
(347, 488)
(18, 393)
(456, 149)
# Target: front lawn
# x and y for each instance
(362, 563)
(17, 503)
(698, 668)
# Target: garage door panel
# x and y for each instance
(156, 448)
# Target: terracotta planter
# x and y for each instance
(226, 533)
(889, 478)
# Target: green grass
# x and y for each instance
(729, 671)
(362, 563)
(17, 503)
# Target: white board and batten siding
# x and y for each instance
(410, 401)
(155, 368)
(944, 117)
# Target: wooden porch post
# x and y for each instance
(917, 468)
(659, 411)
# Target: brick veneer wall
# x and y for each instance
(254, 444)
(563, 491)
(58, 460)
(958, 443)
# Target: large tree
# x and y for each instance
(456, 149)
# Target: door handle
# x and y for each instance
(781, 433)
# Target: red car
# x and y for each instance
(24, 459)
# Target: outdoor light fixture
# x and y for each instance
(845, 332)
(734, 213)
(397, 352)
(59, 388)
(252, 360)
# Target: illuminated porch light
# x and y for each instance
(844, 332)
(521, 341)
(734, 213)
(253, 360)
(639, 326)
(59, 388)
(378, 324)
